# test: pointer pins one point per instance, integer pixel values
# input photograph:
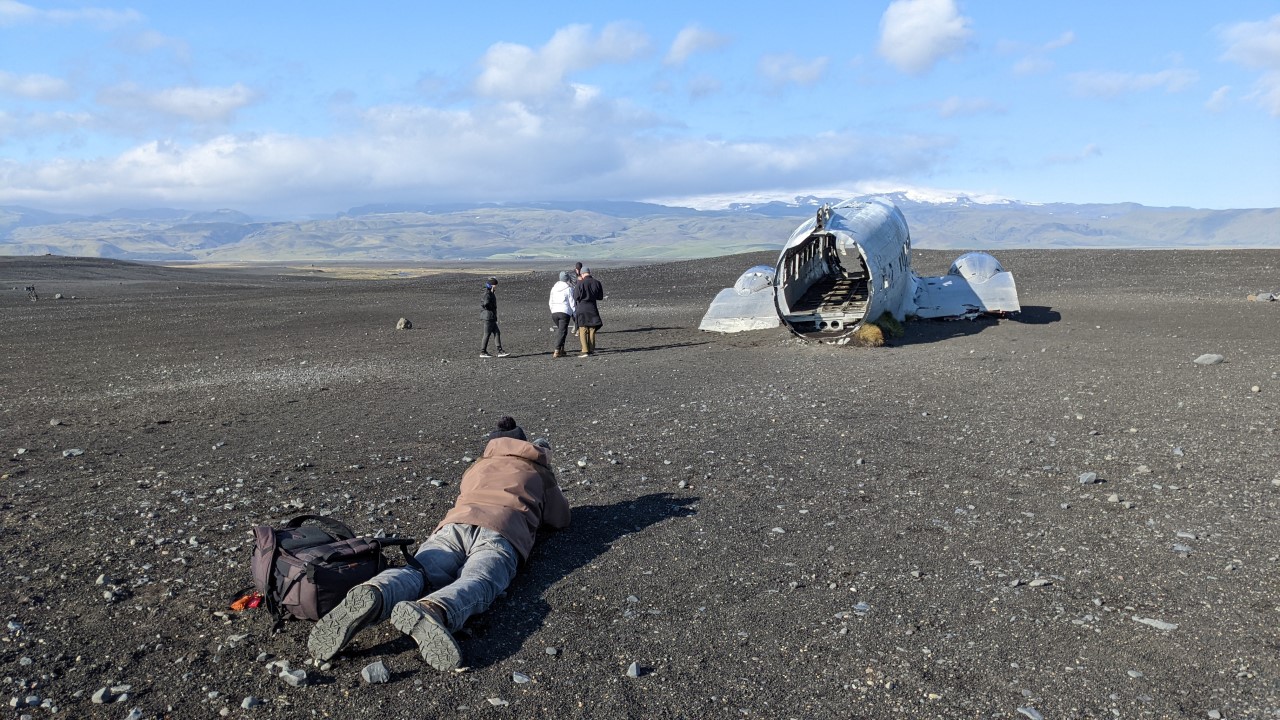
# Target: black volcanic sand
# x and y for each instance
(744, 498)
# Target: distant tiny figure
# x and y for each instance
(505, 498)
(562, 308)
(489, 312)
(31, 293)
(588, 292)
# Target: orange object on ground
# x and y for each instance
(247, 602)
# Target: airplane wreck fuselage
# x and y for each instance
(849, 264)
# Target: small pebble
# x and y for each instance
(633, 670)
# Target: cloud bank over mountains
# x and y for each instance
(140, 110)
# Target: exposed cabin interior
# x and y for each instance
(823, 297)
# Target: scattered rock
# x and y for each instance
(250, 703)
(1031, 713)
(553, 651)
(1209, 359)
(1089, 478)
(72, 452)
(1157, 624)
(376, 673)
(498, 702)
(101, 696)
(519, 678)
(634, 670)
(404, 324)
(295, 678)
(1040, 582)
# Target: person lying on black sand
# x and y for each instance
(504, 498)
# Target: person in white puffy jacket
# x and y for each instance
(562, 309)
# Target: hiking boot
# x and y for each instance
(557, 354)
(503, 353)
(425, 624)
(485, 354)
(360, 608)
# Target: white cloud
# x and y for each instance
(916, 34)
(1035, 60)
(1217, 102)
(586, 148)
(781, 70)
(703, 86)
(1060, 42)
(1256, 45)
(513, 71)
(1115, 84)
(1089, 151)
(1253, 44)
(198, 104)
(959, 107)
(149, 41)
(34, 87)
(14, 13)
(691, 40)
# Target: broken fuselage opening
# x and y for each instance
(823, 287)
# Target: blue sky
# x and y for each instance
(293, 108)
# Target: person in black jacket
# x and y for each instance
(587, 292)
(489, 312)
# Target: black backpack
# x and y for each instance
(305, 568)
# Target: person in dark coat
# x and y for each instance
(489, 313)
(586, 294)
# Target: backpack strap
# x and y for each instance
(409, 560)
(337, 528)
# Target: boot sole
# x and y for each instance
(435, 643)
(336, 629)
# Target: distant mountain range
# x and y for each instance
(604, 230)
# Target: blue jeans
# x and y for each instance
(468, 566)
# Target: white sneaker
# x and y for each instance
(485, 355)
(503, 354)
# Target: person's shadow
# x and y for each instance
(502, 631)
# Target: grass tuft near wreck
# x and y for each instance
(868, 335)
(889, 325)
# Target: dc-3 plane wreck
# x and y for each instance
(851, 264)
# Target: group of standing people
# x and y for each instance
(573, 299)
